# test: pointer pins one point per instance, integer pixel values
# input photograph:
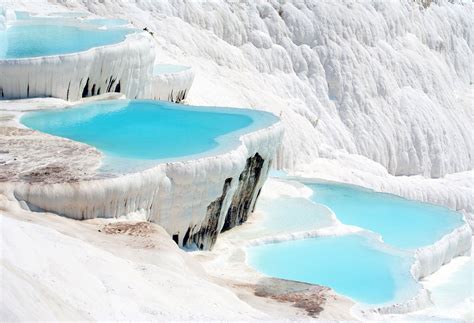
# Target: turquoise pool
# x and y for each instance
(367, 270)
(149, 130)
(402, 223)
(352, 265)
(45, 39)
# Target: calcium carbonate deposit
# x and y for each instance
(374, 93)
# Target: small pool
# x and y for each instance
(36, 39)
(401, 223)
(358, 266)
(150, 130)
(168, 68)
(352, 265)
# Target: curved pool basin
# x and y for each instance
(402, 223)
(150, 130)
(46, 39)
(352, 265)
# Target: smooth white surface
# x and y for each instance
(48, 275)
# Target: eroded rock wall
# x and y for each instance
(206, 237)
(233, 207)
(245, 197)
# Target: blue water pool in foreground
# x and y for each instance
(44, 39)
(402, 223)
(149, 130)
(358, 266)
(352, 265)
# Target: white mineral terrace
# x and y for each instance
(62, 178)
(373, 93)
(124, 67)
(127, 67)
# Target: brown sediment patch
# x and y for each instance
(49, 173)
(310, 298)
(30, 156)
(139, 229)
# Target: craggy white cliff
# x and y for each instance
(383, 79)
(55, 269)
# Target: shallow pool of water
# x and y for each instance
(149, 130)
(352, 265)
(401, 223)
(285, 215)
(46, 39)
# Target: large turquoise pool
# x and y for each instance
(149, 130)
(45, 39)
(401, 223)
(352, 265)
(358, 266)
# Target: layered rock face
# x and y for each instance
(207, 235)
(125, 67)
(243, 201)
(233, 206)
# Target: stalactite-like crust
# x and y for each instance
(125, 67)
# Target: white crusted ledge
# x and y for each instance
(429, 259)
(125, 67)
(172, 86)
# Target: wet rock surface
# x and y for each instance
(242, 204)
(246, 194)
(206, 237)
